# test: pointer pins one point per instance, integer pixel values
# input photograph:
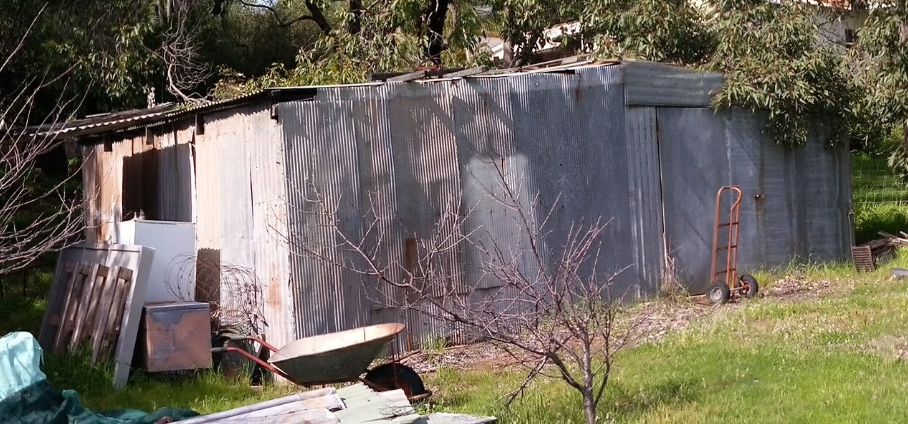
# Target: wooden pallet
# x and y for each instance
(863, 258)
(92, 311)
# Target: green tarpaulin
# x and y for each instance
(28, 398)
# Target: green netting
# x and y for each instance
(26, 397)
(40, 403)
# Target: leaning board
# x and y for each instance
(96, 301)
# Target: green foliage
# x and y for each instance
(773, 62)
(883, 74)
(389, 37)
(656, 30)
(880, 199)
(871, 219)
(249, 41)
(91, 50)
(884, 47)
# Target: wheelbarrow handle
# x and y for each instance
(258, 361)
(254, 339)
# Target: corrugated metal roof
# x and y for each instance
(134, 119)
(122, 121)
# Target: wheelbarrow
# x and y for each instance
(339, 357)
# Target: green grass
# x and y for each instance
(880, 199)
(205, 391)
(836, 357)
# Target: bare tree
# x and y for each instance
(550, 307)
(34, 218)
(185, 68)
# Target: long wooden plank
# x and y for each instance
(101, 316)
(73, 292)
(84, 317)
(115, 316)
(57, 317)
(50, 324)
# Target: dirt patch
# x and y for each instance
(889, 347)
(792, 287)
(482, 354)
(653, 322)
(659, 319)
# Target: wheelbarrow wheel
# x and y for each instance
(718, 293)
(749, 286)
(395, 376)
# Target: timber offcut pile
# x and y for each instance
(356, 404)
(866, 256)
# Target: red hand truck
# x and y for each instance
(725, 282)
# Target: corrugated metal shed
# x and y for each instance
(634, 144)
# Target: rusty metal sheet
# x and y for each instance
(177, 336)
(269, 223)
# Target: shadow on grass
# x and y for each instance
(204, 391)
(21, 314)
(623, 401)
(551, 400)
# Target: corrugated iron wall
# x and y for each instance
(229, 180)
(645, 181)
(404, 155)
(795, 203)
(241, 200)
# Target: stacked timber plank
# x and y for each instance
(356, 404)
(865, 256)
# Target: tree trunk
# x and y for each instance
(356, 24)
(589, 383)
(318, 17)
(435, 17)
(507, 54)
(589, 406)
(905, 138)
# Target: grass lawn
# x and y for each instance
(880, 198)
(833, 354)
(838, 356)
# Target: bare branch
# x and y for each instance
(316, 15)
(550, 307)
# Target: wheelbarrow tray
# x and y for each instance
(334, 357)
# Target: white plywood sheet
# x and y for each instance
(172, 274)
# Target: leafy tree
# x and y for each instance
(773, 61)
(882, 63)
(656, 30)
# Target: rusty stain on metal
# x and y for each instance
(177, 336)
